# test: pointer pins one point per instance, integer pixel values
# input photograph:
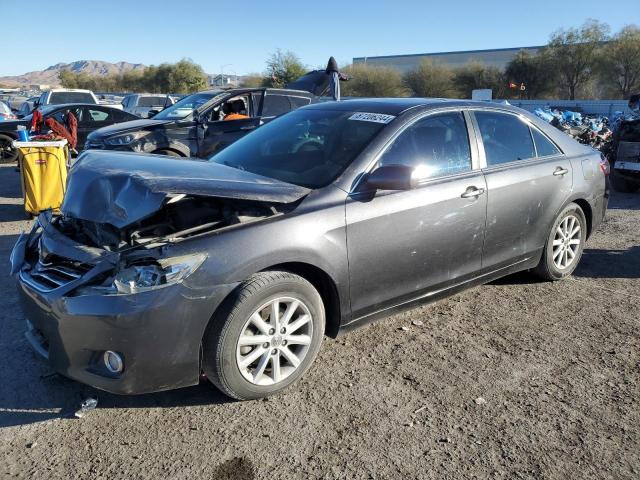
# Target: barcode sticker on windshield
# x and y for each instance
(372, 117)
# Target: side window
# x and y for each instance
(437, 145)
(544, 146)
(275, 105)
(297, 102)
(95, 115)
(506, 138)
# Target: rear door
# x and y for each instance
(404, 244)
(528, 181)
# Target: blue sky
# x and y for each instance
(239, 35)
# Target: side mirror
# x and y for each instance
(392, 177)
(152, 113)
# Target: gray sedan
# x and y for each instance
(320, 221)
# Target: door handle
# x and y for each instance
(560, 171)
(248, 127)
(471, 192)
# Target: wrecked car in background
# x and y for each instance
(199, 125)
(195, 126)
(324, 219)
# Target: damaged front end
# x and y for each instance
(127, 279)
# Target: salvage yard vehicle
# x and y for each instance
(325, 219)
(196, 127)
(59, 96)
(90, 117)
(624, 154)
(142, 104)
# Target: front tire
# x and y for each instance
(564, 246)
(8, 154)
(265, 336)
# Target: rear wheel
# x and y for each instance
(8, 154)
(564, 246)
(621, 184)
(265, 336)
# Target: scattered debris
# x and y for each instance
(89, 404)
(480, 401)
(418, 323)
(31, 445)
(404, 329)
(420, 409)
(445, 440)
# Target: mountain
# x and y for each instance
(49, 76)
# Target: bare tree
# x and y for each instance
(575, 54)
(620, 61)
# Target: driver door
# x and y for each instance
(426, 238)
(219, 133)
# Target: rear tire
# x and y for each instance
(285, 344)
(621, 184)
(8, 154)
(564, 246)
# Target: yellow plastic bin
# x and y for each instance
(43, 173)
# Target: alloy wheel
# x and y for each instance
(274, 341)
(566, 242)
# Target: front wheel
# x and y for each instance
(565, 244)
(265, 336)
(8, 154)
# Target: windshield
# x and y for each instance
(184, 108)
(4, 108)
(309, 148)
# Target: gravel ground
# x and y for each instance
(515, 379)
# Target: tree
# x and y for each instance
(620, 62)
(476, 75)
(373, 81)
(430, 80)
(252, 80)
(532, 70)
(283, 68)
(575, 53)
(186, 77)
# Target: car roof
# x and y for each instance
(81, 90)
(286, 91)
(65, 105)
(396, 106)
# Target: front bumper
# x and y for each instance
(158, 333)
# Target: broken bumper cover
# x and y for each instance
(158, 333)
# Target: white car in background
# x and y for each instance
(140, 104)
(59, 96)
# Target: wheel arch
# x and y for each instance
(325, 286)
(158, 151)
(588, 212)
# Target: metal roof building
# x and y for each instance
(498, 57)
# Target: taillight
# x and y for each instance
(604, 165)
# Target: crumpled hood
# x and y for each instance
(130, 126)
(121, 188)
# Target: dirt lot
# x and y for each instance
(557, 366)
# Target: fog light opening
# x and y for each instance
(113, 362)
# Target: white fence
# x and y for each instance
(594, 107)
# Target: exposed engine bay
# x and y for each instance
(183, 216)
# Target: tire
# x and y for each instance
(8, 154)
(621, 184)
(168, 153)
(222, 354)
(551, 263)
